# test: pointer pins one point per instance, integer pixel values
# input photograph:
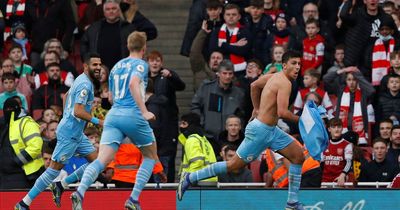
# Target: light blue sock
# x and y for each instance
(41, 184)
(294, 182)
(142, 177)
(89, 176)
(215, 169)
(75, 176)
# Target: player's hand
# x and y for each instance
(108, 174)
(165, 73)
(253, 114)
(149, 116)
(101, 123)
(341, 179)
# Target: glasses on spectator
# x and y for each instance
(252, 65)
(6, 66)
(310, 11)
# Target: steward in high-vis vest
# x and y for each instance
(311, 171)
(126, 164)
(198, 152)
(20, 148)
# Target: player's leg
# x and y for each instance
(294, 153)
(64, 150)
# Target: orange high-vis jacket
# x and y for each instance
(279, 171)
(126, 163)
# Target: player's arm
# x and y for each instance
(283, 103)
(256, 88)
(64, 98)
(81, 113)
(134, 87)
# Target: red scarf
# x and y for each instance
(357, 120)
(380, 60)
(238, 61)
(18, 12)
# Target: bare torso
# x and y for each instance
(268, 103)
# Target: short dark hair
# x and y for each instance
(340, 47)
(231, 6)
(230, 147)
(52, 65)
(335, 122)
(191, 118)
(389, 4)
(379, 139)
(387, 120)
(14, 46)
(393, 75)
(313, 73)
(89, 56)
(290, 54)
(312, 21)
(257, 3)
(394, 54)
(226, 64)
(214, 4)
(394, 128)
(8, 76)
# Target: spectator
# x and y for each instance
(253, 71)
(18, 37)
(396, 18)
(361, 156)
(383, 47)
(313, 47)
(394, 69)
(47, 152)
(379, 169)
(166, 82)
(337, 158)
(232, 39)
(92, 13)
(357, 115)
(280, 33)
(394, 148)
(278, 169)
(339, 58)
(93, 135)
(108, 36)
(385, 127)
(271, 8)
(48, 20)
(8, 66)
(259, 25)
(10, 89)
(233, 134)
(50, 134)
(197, 150)
(389, 100)
(241, 175)
(389, 7)
(13, 12)
(49, 95)
(24, 71)
(21, 160)
(215, 100)
(363, 24)
(49, 115)
(311, 84)
(104, 73)
(129, 9)
(276, 64)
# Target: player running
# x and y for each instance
(270, 96)
(70, 137)
(128, 117)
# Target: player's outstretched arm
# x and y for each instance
(283, 103)
(80, 112)
(134, 87)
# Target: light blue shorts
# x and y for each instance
(258, 137)
(121, 123)
(67, 147)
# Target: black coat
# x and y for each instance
(381, 172)
(388, 105)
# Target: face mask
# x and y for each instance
(385, 38)
(10, 106)
(124, 6)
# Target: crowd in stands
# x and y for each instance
(350, 66)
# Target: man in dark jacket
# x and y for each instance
(108, 36)
(363, 23)
(389, 100)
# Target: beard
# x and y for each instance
(95, 80)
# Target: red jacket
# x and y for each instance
(313, 53)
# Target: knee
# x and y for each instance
(299, 159)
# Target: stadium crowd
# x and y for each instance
(350, 65)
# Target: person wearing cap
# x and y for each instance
(19, 37)
(20, 149)
(215, 100)
(280, 33)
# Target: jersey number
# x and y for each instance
(117, 79)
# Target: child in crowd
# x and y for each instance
(280, 34)
(271, 8)
(313, 47)
(338, 63)
(389, 100)
(93, 135)
(49, 115)
(311, 84)
(394, 69)
(18, 38)
(24, 71)
(276, 65)
(381, 50)
(10, 89)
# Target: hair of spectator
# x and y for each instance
(313, 73)
(191, 118)
(51, 122)
(136, 41)
(46, 110)
(233, 116)
(232, 6)
(257, 3)
(393, 75)
(340, 47)
(15, 46)
(226, 65)
(310, 3)
(47, 45)
(389, 4)
(8, 76)
(312, 21)
(387, 120)
(316, 95)
(111, 1)
(335, 122)
(214, 4)
(230, 147)
(379, 139)
(47, 149)
(289, 55)
(52, 65)
(89, 56)
(52, 52)
(154, 55)
(395, 127)
(257, 62)
(394, 54)
(91, 131)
